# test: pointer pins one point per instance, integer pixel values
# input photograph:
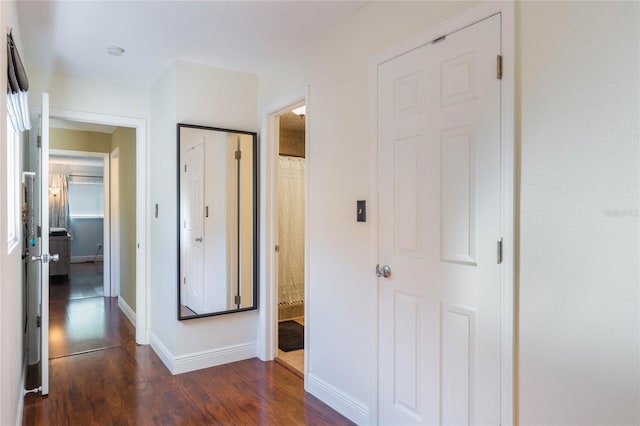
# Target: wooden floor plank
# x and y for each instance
(110, 387)
(127, 384)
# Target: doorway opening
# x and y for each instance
(86, 301)
(290, 217)
(136, 232)
(39, 298)
(78, 196)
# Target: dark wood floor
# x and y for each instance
(80, 318)
(127, 384)
(84, 280)
(81, 325)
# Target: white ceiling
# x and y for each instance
(72, 36)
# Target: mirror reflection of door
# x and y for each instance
(244, 235)
(217, 223)
(193, 218)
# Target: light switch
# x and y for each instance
(361, 209)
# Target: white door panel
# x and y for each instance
(193, 224)
(439, 223)
(37, 181)
(43, 256)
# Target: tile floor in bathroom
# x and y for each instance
(294, 359)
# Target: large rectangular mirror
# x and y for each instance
(217, 221)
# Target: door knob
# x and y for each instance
(198, 239)
(384, 271)
(45, 258)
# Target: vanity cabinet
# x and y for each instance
(60, 245)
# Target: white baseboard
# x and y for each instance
(82, 259)
(352, 409)
(161, 350)
(126, 310)
(211, 358)
(203, 359)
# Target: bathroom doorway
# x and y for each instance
(290, 234)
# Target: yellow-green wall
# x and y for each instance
(124, 139)
(79, 140)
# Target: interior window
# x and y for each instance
(86, 197)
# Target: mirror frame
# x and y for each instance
(256, 209)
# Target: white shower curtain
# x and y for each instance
(291, 197)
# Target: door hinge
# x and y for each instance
(500, 251)
(39, 231)
(238, 155)
(184, 280)
(499, 67)
(39, 141)
(237, 300)
(185, 168)
(439, 39)
(38, 321)
(277, 249)
(206, 211)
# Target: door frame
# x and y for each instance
(140, 125)
(114, 223)
(508, 354)
(268, 316)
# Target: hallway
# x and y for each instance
(98, 375)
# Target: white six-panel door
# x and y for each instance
(439, 225)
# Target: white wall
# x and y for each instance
(162, 230)
(578, 131)
(216, 97)
(342, 283)
(578, 127)
(209, 97)
(11, 288)
(219, 98)
(85, 95)
(579, 246)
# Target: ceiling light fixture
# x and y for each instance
(300, 110)
(115, 50)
